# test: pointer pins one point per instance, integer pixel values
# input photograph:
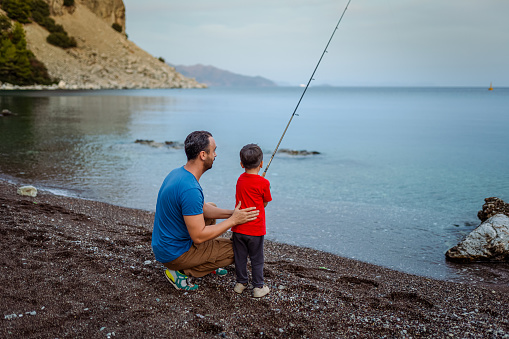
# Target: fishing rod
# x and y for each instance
(305, 89)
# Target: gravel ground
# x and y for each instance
(79, 268)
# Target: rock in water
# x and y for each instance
(296, 152)
(488, 242)
(30, 191)
(491, 207)
(6, 112)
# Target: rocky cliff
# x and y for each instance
(111, 11)
(103, 58)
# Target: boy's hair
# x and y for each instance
(251, 156)
(196, 142)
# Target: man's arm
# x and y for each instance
(200, 233)
(213, 212)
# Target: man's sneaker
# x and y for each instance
(259, 292)
(179, 281)
(220, 272)
(239, 288)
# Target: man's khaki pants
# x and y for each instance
(204, 258)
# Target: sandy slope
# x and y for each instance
(104, 58)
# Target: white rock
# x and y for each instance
(30, 191)
(488, 242)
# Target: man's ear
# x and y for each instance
(241, 164)
(203, 155)
(261, 164)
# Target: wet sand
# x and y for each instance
(79, 268)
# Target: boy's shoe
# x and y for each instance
(180, 281)
(239, 288)
(220, 271)
(259, 292)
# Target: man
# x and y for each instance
(181, 239)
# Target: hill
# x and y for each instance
(104, 58)
(212, 76)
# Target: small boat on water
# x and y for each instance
(491, 87)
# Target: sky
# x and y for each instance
(377, 43)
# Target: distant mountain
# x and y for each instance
(215, 77)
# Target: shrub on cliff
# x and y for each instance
(18, 65)
(68, 3)
(18, 10)
(5, 24)
(38, 10)
(61, 40)
(51, 25)
(40, 13)
(117, 27)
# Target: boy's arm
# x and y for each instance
(267, 196)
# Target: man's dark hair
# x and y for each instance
(251, 156)
(196, 142)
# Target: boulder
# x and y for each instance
(488, 242)
(5, 113)
(491, 207)
(30, 191)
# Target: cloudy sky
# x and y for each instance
(378, 43)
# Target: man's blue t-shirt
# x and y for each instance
(180, 195)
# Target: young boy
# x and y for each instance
(252, 191)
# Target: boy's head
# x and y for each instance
(251, 156)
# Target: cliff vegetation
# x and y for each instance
(76, 44)
(18, 65)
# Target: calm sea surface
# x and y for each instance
(399, 179)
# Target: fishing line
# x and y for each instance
(305, 89)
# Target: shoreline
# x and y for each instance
(80, 267)
(90, 87)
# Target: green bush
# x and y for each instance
(39, 7)
(38, 17)
(5, 23)
(18, 65)
(52, 26)
(117, 27)
(18, 10)
(61, 40)
(39, 72)
(38, 10)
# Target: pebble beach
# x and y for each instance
(80, 268)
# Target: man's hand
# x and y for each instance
(200, 233)
(242, 216)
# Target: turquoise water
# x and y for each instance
(399, 179)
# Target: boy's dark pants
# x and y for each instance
(244, 245)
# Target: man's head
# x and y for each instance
(201, 145)
(251, 156)
(196, 142)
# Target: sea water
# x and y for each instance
(400, 175)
